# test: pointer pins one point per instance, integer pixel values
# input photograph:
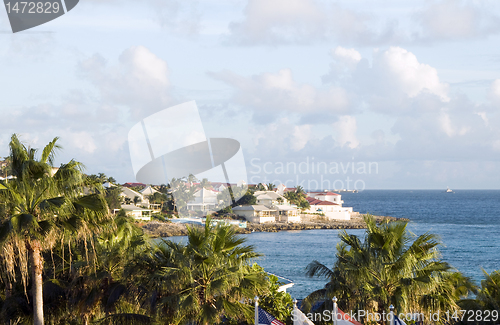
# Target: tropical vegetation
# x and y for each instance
(65, 259)
(390, 266)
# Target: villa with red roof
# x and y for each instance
(329, 204)
(327, 196)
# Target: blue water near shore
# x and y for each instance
(467, 221)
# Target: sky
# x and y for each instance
(322, 94)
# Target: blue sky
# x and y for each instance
(413, 86)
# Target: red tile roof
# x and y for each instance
(313, 201)
(133, 184)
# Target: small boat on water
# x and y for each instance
(448, 190)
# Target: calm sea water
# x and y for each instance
(468, 223)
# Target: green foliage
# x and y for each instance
(247, 199)
(390, 266)
(112, 196)
(298, 198)
(183, 192)
(489, 295)
(137, 188)
(278, 304)
(487, 301)
(41, 207)
(226, 210)
(203, 280)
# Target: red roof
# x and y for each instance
(134, 184)
(313, 201)
(325, 203)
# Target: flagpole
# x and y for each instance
(294, 312)
(334, 299)
(257, 310)
(391, 320)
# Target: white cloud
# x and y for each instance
(394, 83)
(82, 140)
(182, 17)
(140, 80)
(446, 125)
(411, 76)
(300, 21)
(494, 92)
(453, 20)
(346, 128)
(363, 23)
(280, 92)
(93, 129)
(350, 57)
(269, 21)
(484, 117)
(301, 135)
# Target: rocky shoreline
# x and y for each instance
(168, 229)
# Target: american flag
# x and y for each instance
(267, 319)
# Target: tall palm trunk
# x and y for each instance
(36, 281)
(8, 294)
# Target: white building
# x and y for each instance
(131, 194)
(287, 213)
(136, 212)
(327, 196)
(269, 204)
(269, 198)
(329, 209)
(280, 189)
(204, 200)
(256, 213)
(148, 190)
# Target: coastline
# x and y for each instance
(169, 229)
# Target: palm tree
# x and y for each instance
(390, 266)
(489, 295)
(102, 178)
(205, 279)
(270, 186)
(261, 187)
(204, 183)
(41, 206)
(299, 190)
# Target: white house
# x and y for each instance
(287, 213)
(327, 196)
(280, 189)
(329, 209)
(131, 194)
(148, 190)
(204, 200)
(136, 212)
(269, 198)
(256, 213)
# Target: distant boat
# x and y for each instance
(448, 190)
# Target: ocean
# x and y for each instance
(467, 221)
